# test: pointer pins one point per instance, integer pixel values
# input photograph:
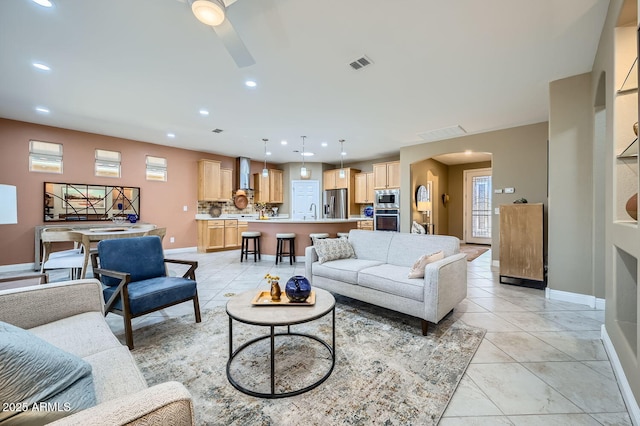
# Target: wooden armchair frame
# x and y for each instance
(122, 290)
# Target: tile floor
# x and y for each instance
(541, 362)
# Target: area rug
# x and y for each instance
(473, 251)
(385, 372)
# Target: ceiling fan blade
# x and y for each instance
(234, 44)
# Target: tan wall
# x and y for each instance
(161, 202)
(438, 173)
(519, 161)
(455, 208)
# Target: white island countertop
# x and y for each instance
(287, 220)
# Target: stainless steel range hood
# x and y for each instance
(243, 172)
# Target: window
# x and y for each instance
(156, 168)
(45, 157)
(107, 163)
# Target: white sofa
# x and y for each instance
(379, 273)
(70, 316)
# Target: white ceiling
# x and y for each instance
(139, 69)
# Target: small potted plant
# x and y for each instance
(262, 208)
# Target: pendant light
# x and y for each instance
(303, 169)
(265, 171)
(342, 172)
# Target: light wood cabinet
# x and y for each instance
(242, 227)
(231, 234)
(269, 189)
(210, 235)
(226, 184)
(331, 179)
(386, 175)
(364, 192)
(365, 225)
(522, 242)
(208, 180)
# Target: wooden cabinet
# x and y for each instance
(208, 180)
(522, 242)
(242, 227)
(331, 179)
(365, 225)
(268, 189)
(210, 235)
(364, 192)
(386, 175)
(231, 233)
(226, 184)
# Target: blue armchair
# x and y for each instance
(135, 282)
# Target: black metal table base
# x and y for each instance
(272, 395)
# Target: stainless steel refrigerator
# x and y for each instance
(334, 204)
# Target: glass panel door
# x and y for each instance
(478, 206)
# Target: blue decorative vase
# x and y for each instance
(133, 218)
(298, 288)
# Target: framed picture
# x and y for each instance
(81, 198)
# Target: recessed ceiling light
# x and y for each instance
(204, 112)
(43, 110)
(307, 154)
(268, 152)
(45, 3)
(250, 83)
(343, 153)
(171, 135)
(324, 144)
(41, 66)
(283, 142)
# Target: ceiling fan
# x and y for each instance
(214, 14)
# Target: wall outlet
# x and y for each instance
(185, 208)
(172, 240)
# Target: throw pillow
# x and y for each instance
(333, 249)
(417, 270)
(416, 228)
(40, 382)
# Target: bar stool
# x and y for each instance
(343, 235)
(318, 235)
(244, 251)
(281, 238)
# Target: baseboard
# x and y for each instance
(18, 267)
(272, 257)
(182, 250)
(623, 383)
(582, 299)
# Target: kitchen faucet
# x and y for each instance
(314, 209)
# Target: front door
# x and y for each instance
(304, 193)
(477, 210)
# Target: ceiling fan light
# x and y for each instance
(209, 12)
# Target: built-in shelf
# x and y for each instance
(631, 151)
(630, 82)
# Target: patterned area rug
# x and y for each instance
(473, 251)
(386, 372)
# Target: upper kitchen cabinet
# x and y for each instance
(364, 188)
(386, 175)
(268, 189)
(226, 184)
(331, 178)
(209, 182)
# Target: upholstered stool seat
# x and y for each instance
(343, 235)
(244, 250)
(281, 238)
(318, 235)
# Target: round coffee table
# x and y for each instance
(241, 309)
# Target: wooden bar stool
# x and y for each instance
(318, 235)
(282, 237)
(244, 251)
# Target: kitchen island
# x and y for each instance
(302, 228)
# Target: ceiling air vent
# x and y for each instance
(443, 133)
(360, 63)
(217, 130)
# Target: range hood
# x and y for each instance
(243, 172)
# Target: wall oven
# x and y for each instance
(387, 199)
(386, 220)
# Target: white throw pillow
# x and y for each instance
(416, 228)
(333, 249)
(417, 270)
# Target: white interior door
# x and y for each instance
(304, 193)
(477, 206)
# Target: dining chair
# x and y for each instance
(160, 232)
(135, 280)
(15, 281)
(72, 259)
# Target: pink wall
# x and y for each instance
(161, 202)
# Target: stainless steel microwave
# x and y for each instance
(387, 199)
